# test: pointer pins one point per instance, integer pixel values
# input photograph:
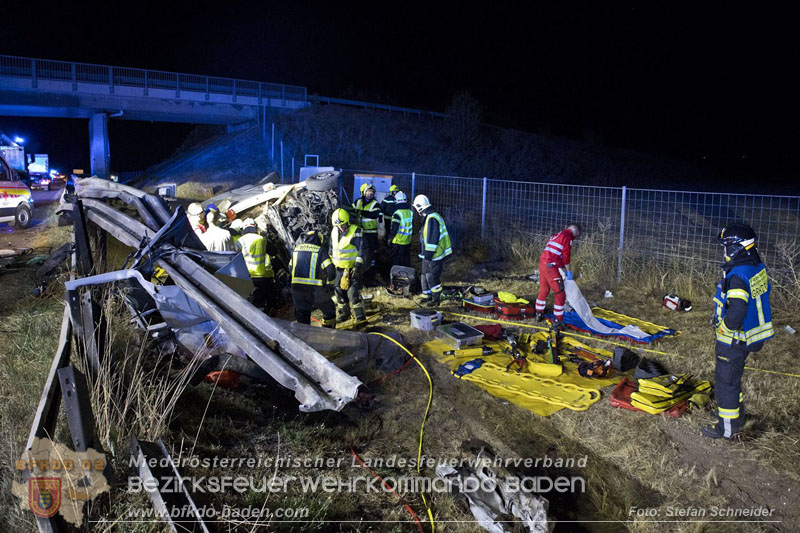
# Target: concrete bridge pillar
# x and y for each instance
(99, 151)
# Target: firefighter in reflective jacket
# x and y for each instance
(553, 261)
(347, 253)
(399, 236)
(434, 249)
(369, 215)
(313, 275)
(743, 321)
(254, 250)
(388, 207)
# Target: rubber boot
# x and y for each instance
(539, 316)
(557, 325)
(361, 318)
(436, 298)
(425, 299)
(342, 313)
(717, 431)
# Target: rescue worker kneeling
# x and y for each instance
(743, 320)
(348, 249)
(313, 275)
(254, 250)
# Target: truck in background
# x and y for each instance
(39, 171)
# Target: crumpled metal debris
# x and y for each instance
(497, 506)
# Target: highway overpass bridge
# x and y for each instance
(46, 88)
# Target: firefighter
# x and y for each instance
(313, 274)
(253, 247)
(434, 249)
(215, 238)
(399, 236)
(388, 206)
(743, 321)
(348, 249)
(195, 215)
(369, 214)
(553, 264)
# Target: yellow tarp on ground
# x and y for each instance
(570, 375)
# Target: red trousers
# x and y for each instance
(549, 278)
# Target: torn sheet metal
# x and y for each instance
(494, 496)
(318, 384)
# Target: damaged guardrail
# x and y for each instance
(169, 242)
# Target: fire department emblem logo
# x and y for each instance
(44, 495)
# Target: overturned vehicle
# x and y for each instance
(282, 213)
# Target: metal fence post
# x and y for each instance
(34, 81)
(413, 184)
(272, 150)
(281, 162)
(292, 169)
(110, 80)
(74, 77)
(483, 210)
(621, 234)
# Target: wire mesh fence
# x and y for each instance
(660, 225)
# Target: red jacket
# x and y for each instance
(558, 249)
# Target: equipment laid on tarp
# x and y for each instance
(498, 505)
(621, 397)
(656, 395)
(459, 335)
(534, 384)
(603, 322)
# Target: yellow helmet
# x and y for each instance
(340, 217)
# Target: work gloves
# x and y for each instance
(569, 275)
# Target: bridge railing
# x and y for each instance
(46, 69)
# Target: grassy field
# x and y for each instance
(633, 459)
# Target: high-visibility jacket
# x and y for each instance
(311, 265)
(368, 214)
(402, 225)
(347, 251)
(558, 249)
(254, 250)
(434, 239)
(757, 324)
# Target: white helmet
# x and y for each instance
(237, 224)
(194, 209)
(249, 223)
(421, 203)
(400, 197)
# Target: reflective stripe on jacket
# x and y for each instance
(253, 248)
(345, 251)
(368, 215)
(558, 249)
(434, 239)
(757, 325)
(309, 262)
(404, 219)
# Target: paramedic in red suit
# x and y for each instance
(555, 257)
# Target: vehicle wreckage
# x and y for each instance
(203, 303)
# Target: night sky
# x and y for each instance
(683, 79)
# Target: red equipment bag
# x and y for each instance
(481, 308)
(621, 397)
(515, 310)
